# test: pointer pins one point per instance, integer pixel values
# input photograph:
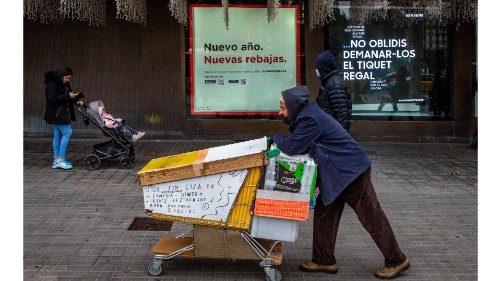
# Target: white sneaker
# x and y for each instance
(137, 136)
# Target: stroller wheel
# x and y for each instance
(92, 162)
(130, 156)
(125, 163)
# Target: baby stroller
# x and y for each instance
(118, 145)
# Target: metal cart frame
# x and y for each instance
(268, 262)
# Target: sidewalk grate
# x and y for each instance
(144, 223)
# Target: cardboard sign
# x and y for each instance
(209, 197)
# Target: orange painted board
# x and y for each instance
(292, 210)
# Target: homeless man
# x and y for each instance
(344, 176)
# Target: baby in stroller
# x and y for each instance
(114, 123)
(120, 136)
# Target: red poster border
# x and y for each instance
(191, 59)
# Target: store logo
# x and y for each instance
(285, 180)
(210, 81)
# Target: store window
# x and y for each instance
(394, 70)
(238, 70)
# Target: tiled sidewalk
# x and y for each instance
(75, 222)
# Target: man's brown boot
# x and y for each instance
(314, 267)
(393, 271)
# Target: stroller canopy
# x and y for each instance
(95, 109)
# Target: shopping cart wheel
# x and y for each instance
(156, 267)
(272, 274)
(125, 163)
(92, 162)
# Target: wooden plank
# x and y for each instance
(168, 245)
(202, 169)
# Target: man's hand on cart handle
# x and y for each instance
(271, 152)
(269, 140)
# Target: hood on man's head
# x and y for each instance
(295, 98)
(325, 63)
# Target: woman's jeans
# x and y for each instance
(62, 135)
(361, 197)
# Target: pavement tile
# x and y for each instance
(75, 222)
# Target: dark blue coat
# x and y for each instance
(339, 157)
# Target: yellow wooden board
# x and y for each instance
(173, 161)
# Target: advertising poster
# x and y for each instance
(242, 70)
(377, 68)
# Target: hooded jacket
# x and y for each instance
(59, 107)
(339, 157)
(333, 96)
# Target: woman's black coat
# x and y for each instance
(59, 107)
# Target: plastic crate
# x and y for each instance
(274, 228)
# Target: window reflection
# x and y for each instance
(394, 71)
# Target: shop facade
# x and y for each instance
(219, 75)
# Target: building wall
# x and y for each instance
(139, 73)
(460, 129)
(134, 70)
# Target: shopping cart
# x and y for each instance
(217, 193)
(170, 182)
(170, 247)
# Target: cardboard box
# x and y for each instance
(214, 186)
(214, 242)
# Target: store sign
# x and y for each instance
(373, 59)
(242, 70)
(377, 70)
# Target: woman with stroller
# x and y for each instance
(59, 112)
(111, 122)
